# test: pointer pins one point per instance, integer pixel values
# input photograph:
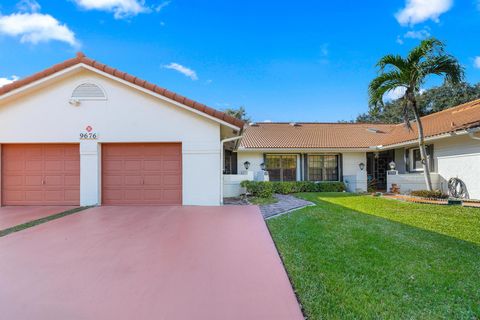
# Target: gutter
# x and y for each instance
(222, 164)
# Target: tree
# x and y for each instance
(239, 113)
(429, 101)
(409, 74)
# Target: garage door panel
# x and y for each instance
(41, 174)
(132, 165)
(147, 171)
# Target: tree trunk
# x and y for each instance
(421, 144)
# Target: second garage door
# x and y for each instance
(142, 173)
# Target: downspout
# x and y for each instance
(222, 164)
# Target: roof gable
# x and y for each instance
(93, 65)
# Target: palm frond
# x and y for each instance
(426, 48)
(394, 61)
(443, 65)
(384, 83)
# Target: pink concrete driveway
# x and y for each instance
(12, 216)
(146, 263)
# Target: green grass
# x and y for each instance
(34, 223)
(262, 201)
(364, 257)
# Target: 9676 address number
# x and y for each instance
(88, 135)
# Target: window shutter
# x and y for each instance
(407, 160)
(431, 157)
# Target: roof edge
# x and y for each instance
(82, 59)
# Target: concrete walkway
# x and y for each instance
(286, 203)
(146, 262)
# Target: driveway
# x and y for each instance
(146, 263)
(12, 216)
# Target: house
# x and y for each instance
(362, 155)
(83, 133)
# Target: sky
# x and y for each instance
(281, 60)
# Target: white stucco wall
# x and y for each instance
(45, 116)
(459, 157)
(415, 181)
(255, 159)
(354, 178)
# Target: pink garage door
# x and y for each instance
(40, 174)
(142, 173)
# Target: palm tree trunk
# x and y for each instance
(421, 144)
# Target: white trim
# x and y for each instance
(415, 142)
(460, 156)
(107, 75)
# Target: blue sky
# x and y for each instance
(282, 60)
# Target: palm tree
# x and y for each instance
(409, 74)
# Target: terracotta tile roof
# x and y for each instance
(461, 117)
(314, 135)
(81, 58)
(357, 135)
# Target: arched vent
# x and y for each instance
(88, 91)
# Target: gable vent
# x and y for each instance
(88, 91)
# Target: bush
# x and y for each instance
(258, 188)
(265, 189)
(435, 194)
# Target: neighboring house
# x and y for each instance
(360, 154)
(83, 133)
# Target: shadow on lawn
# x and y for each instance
(348, 263)
(452, 221)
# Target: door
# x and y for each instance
(40, 174)
(142, 173)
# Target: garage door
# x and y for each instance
(143, 173)
(40, 174)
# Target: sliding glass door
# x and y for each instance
(281, 167)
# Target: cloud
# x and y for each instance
(121, 8)
(5, 81)
(476, 62)
(182, 69)
(420, 34)
(395, 94)
(161, 6)
(417, 11)
(28, 6)
(35, 28)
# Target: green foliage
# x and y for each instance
(239, 113)
(363, 257)
(258, 188)
(429, 101)
(435, 194)
(265, 189)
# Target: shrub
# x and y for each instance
(265, 189)
(258, 188)
(435, 194)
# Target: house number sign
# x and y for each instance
(89, 134)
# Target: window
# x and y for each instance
(323, 167)
(281, 167)
(416, 158)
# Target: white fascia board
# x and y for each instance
(428, 139)
(132, 85)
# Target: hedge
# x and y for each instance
(435, 194)
(266, 189)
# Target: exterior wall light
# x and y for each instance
(361, 166)
(262, 166)
(392, 165)
(246, 164)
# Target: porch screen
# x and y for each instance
(323, 167)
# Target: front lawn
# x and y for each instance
(357, 256)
